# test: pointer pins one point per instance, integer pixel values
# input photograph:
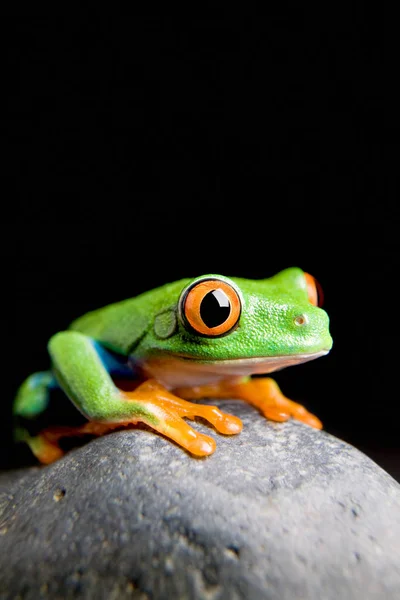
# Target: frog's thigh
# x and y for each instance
(32, 396)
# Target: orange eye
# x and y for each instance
(211, 307)
(314, 289)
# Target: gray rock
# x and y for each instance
(281, 511)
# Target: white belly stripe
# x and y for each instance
(176, 371)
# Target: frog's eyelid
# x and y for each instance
(315, 291)
(190, 306)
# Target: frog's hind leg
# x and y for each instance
(32, 396)
(46, 451)
(261, 392)
(46, 445)
(31, 400)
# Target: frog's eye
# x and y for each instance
(211, 307)
(314, 289)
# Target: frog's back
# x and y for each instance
(121, 325)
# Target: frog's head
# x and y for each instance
(262, 325)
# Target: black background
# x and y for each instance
(142, 150)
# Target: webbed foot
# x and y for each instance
(45, 446)
(262, 392)
(168, 413)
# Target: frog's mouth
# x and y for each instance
(273, 362)
(181, 370)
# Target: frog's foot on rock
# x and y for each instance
(45, 451)
(46, 448)
(262, 392)
(164, 412)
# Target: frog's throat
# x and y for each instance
(178, 371)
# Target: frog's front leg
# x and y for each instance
(262, 392)
(82, 375)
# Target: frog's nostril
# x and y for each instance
(301, 320)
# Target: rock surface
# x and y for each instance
(280, 512)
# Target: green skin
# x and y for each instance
(150, 326)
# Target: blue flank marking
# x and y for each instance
(53, 385)
(115, 364)
(36, 379)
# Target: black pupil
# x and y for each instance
(215, 308)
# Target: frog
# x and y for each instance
(146, 362)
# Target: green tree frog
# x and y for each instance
(147, 358)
